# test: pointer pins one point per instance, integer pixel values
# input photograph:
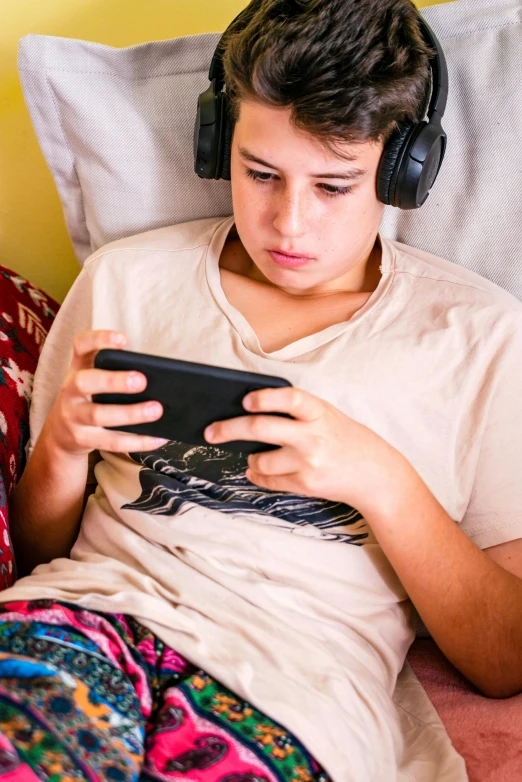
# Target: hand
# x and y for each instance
(324, 453)
(75, 423)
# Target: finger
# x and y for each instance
(119, 442)
(294, 401)
(98, 415)
(280, 461)
(102, 381)
(91, 341)
(263, 428)
(289, 482)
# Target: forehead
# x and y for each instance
(268, 133)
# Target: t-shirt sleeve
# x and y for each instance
(494, 512)
(74, 316)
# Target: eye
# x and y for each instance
(258, 176)
(332, 190)
(262, 177)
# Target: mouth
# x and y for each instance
(289, 260)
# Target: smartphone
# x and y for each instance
(193, 396)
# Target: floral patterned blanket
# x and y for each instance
(26, 314)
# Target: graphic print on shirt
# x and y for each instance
(178, 476)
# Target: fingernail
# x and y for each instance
(135, 381)
(153, 410)
(209, 433)
(247, 402)
(117, 339)
(160, 441)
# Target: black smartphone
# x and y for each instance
(193, 396)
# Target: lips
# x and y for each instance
(289, 261)
(289, 254)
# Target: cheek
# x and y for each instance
(240, 186)
(350, 221)
(239, 197)
(247, 213)
(248, 203)
(362, 208)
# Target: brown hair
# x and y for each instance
(350, 70)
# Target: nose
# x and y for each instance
(291, 213)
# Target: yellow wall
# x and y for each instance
(33, 239)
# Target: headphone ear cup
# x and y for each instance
(390, 164)
(227, 132)
(419, 166)
(205, 128)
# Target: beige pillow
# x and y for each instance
(116, 128)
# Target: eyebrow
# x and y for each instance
(352, 173)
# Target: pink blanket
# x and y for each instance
(485, 731)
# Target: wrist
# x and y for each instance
(395, 483)
(55, 447)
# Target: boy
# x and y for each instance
(287, 576)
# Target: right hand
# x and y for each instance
(76, 424)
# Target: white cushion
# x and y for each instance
(116, 129)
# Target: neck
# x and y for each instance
(362, 278)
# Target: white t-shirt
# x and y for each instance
(432, 363)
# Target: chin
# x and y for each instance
(290, 279)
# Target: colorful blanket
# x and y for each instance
(26, 314)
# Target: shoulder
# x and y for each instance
(447, 285)
(169, 242)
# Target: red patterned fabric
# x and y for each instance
(26, 314)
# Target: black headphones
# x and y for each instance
(410, 160)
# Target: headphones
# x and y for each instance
(410, 160)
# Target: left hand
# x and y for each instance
(323, 453)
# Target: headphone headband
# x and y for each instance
(216, 70)
(410, 161)
(439, 70)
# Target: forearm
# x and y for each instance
(469, 603)
(45, 508)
